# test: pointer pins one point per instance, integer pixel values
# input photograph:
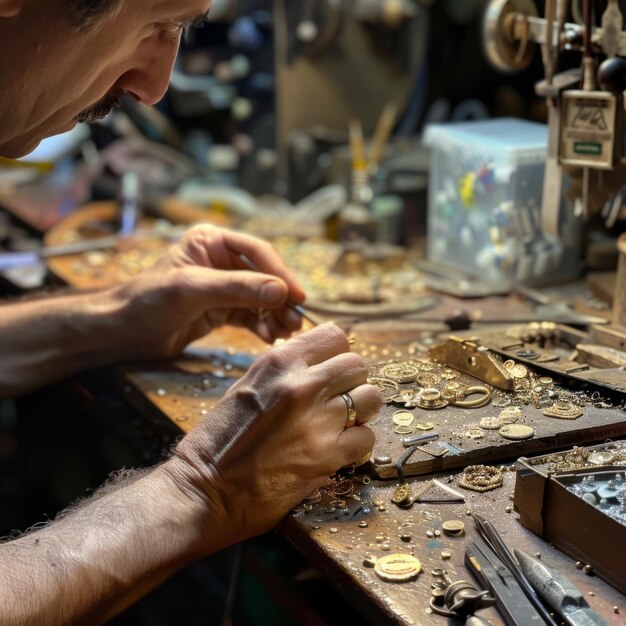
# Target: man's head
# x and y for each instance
(64, 61)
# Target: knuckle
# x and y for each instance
(200, 230)
(357, 365)
(374, 398)
(180, 282)
(362, 444)
(251, 398)
(274, 360)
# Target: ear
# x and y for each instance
(10, 8)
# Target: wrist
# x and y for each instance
(97, 327)
(200, 506)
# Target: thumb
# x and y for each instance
(212, 288)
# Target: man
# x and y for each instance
(278, 433)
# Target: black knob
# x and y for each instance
(612, 75)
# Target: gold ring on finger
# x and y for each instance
(351, 420)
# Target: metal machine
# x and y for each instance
(586, 110)
(585, 104)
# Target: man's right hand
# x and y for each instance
(278, 434)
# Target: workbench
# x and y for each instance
(176, 396)
(179, 394)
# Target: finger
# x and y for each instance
(278, 330)
(288, 318)
(265, 259)
(209, 288)
(354, 444)
(259, 322)
(340, 373)
(367, 401)
(317, 345)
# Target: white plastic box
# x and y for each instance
(485, 189)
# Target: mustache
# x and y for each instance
(102, 108)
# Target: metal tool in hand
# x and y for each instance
(299, 309)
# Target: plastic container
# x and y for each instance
(485, 190)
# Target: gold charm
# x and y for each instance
(397, 567)
(425, 426)
(404, 397)
(563, 411)
(510, 414)
(519, 371)
(343, 488)
(400, 372)
(491, 423)
(431, 400)
(402, 494)
(481, 478)
(428, 379)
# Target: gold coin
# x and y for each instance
(403, 430)
(403, 418)
(546, 381)
(517, 432)
(425, 426)
(397, 567)
(519, 371)
(453, 527)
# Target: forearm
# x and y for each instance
(46, 340)
(100, 557)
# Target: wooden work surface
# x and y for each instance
(177, 395)
(182, 392)
(339, 555)
(185, 390)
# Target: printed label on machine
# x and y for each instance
(588, 125)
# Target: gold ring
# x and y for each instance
(484, 398)
(351, 421)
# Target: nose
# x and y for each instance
(150, 74)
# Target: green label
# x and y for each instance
(586, 147)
